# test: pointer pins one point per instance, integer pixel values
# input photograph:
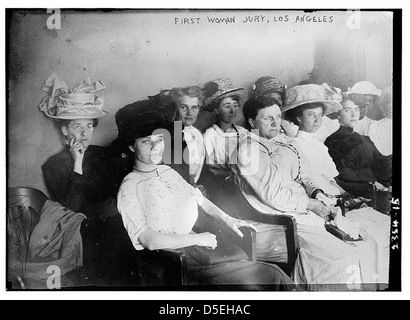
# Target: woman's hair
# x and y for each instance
(193, 92)
(357, 98)
(215, 105)
(293, 114)
(251, 107)
(64, 123)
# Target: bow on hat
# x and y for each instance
(85, 101)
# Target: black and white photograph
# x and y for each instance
(203, 149)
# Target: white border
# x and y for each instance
(248, 296)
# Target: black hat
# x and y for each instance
(140, 119)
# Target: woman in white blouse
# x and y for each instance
(159, 209)
(308, 114)
(221, 139)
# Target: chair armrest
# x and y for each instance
(247, 243)
(225, 235)
(290, 228)
(162, 267)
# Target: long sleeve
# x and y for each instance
(381, 165)
(317, 167)
(310, 181)
(80, 192)
(132, 212)
(65, 186)
(351, 156)
(263, 176)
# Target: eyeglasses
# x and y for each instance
(80, 128)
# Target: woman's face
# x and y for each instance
(227, 110)
(149, 149)
(188, 109)
(365, 103)
(80, 130)
(349, 115)
(311, 120)
(267, 121)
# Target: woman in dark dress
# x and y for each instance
(80, 177)
(363, 170)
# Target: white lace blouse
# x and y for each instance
(166, 204)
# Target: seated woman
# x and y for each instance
(159, 209)
(80, 178)
(188, 102)
(269, 175)
(308, 117)
(271, 87)
(363, 170)
(364, 94)
(381, 132)
(222, 138)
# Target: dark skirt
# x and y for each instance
(109, 253)
(237, 275)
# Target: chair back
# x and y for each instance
(24, 208)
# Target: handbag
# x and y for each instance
(348, 202)
(340, 234)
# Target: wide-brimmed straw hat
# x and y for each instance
(300, 95)
(217, 89)
(85, 101)
(364, 87)
(265, 85)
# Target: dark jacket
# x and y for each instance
(357, 158)
(92, 193)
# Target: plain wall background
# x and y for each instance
(138, 53)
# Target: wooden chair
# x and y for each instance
(167, 269)
(25, 204)
(283, 228)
